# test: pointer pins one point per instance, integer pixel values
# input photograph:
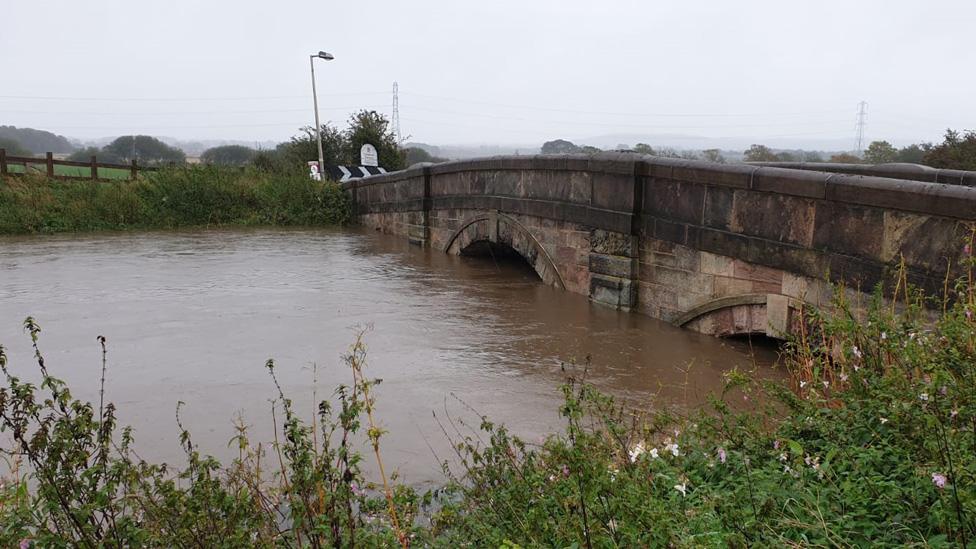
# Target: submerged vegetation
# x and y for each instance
(872, 443)
(170, 198)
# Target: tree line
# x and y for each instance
(956, 151)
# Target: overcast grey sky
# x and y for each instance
(492, 72)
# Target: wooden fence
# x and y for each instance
(69, 169)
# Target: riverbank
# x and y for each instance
(170, 198)
(873, 442)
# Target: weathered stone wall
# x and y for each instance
(720, 248)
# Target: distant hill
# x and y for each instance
(37, 141)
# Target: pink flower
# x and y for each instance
(25, 543)
(565, 471)
(775, 445)
(721, 455)
(967, 250)
(939, 480)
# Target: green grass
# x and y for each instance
(72, 171)
(178, 197)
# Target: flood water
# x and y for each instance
(192, 316)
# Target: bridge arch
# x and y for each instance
(501, 229)
(772, 315)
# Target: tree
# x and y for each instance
(228, 155)
(84, 155)
(144, 149)
(416, 155)
(914, 154)
(559, 146)
(644, 148)
(785, 156)
(845, 158)
(371, 127)
(956, 152)
(760, 153)
(880, 152)
(13, 147)
(36, 141)
(590, 149)
(811, 156)
(713, 155)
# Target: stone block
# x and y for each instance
(849, 229)
(613, 265)
(751, 271)
(925, 242)
(615, 292)
(774, 217)
(676, 201)
(718, 265)
(777, 315)
(613, 243)
(718, 208)
(669, 254)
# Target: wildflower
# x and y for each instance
(803, 384)
(775, 445)
(939, 480)
(883, 420)
(683, 487)
(843, 377)
(884, 336)
(613, 473)
(676, 433)
(612, 525)
(25, 543)
(782, 457)
(673, 448)
(653, 453)
(786, 469)
(355, 489)
(943, 390)
(856, 351)
(826, 384)
(969, 314)
(565, 471)
(967, 250)
(923, 397)
(636, 452)
(721, 455)
(954, 413)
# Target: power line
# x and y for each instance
(177, 113)
(664, 114)
(181, 99)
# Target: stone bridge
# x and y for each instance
(725, 249)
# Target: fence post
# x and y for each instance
(94, 168)
(50, 164)
(3, 161)
(135, 170)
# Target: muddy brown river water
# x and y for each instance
(192, 316)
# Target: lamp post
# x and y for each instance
(315, 100)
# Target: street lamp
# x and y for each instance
(315, 100)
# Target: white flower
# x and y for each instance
(923, 396)
(782, 457)
(843, 377)
(856, 351)
(884, 336)
(612, 525)
(636, 452)
(673, 448)
(883, 420)
(803, 384)
(826, 384)
(683, 488)
(654, 453)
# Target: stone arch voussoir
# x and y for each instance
(502, 229)
(772, 315)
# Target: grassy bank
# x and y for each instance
(179, 197)
(872, 444)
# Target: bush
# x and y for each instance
(175, 197)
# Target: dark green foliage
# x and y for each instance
(145, 149)
(880, 152)
(371, 127)
(957, 151)
(176, 197)
(228, 155)
(13, 147)
(559, 146)
(85, 155)
(36, 141)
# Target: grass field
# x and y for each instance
(73, 171)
